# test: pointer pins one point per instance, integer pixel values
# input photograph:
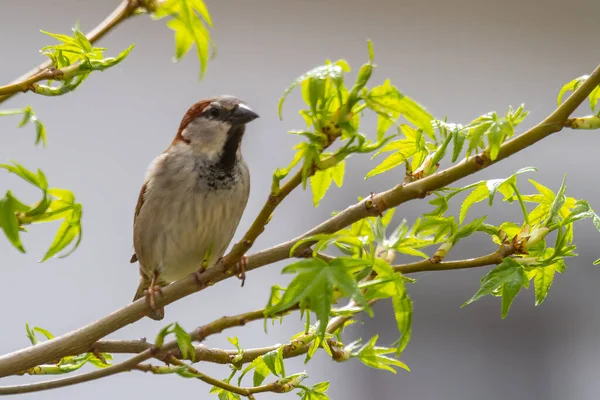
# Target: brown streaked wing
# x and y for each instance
(138, 207)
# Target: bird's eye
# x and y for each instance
(213, 112)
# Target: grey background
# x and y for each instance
(459, 58)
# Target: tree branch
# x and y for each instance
(43, 71)
(80, 340)
(428, 265)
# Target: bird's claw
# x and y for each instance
(151, 295)
(240, 269)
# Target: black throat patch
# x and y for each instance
(229, 157)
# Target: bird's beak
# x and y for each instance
(242, 115)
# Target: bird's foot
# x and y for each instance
(240, 269)
(151, 295)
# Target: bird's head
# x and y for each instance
(213, 128)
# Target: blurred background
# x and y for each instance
(458, 58)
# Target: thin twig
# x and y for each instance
(80, 340)
(123, 11)
(243, 391)
(427, 265)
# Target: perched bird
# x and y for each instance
(193, 197)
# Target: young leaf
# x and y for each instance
(29, 116)
(191, 22)
(317, 392)
(334, 71)
(594, 98)
(274, 361)
(184, 341)
(10, 224)
(543, 277)
(571, 86)
(66, 233)
(320, 183)
(375, 356)
(507, 278)
(477, 195)
(388, 99)
(313, 285)
(468, 229)
(337, 173)
(558, 202)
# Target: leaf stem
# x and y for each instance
(521, 202)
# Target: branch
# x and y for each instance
(80, 340)
(243, 391)
(428, 265)
(44, 71)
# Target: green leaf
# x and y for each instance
(571, 86)
(403, 309)
(441, 203)
(184, 341)
(312, 288)
(274, 361)
(495, 185)
(594, 98)
(392, 161)
(37, 180)
(375, 356)
(458, 138)
(66, 233)
(319, 183)
(468, 229)
(507, 279)
(335, 72)
(160, 338)
(558, 202)
(387, 99)
(271, 362)
(28, 116)
(337, 173)
(582, 210)
(477, 195)
(44, 332)
(495, 128)
(317, 392)
(31, 335)
(542, 279)
(440, 227)
(10, 224)
(191, 22)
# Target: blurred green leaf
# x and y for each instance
(10, 224)
(29, 116)
(594, 98)
(190, 22)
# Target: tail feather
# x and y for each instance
(157, 314)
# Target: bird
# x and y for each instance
(193, 197)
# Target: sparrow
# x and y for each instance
(193, 197)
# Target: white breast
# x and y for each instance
(188, 211)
